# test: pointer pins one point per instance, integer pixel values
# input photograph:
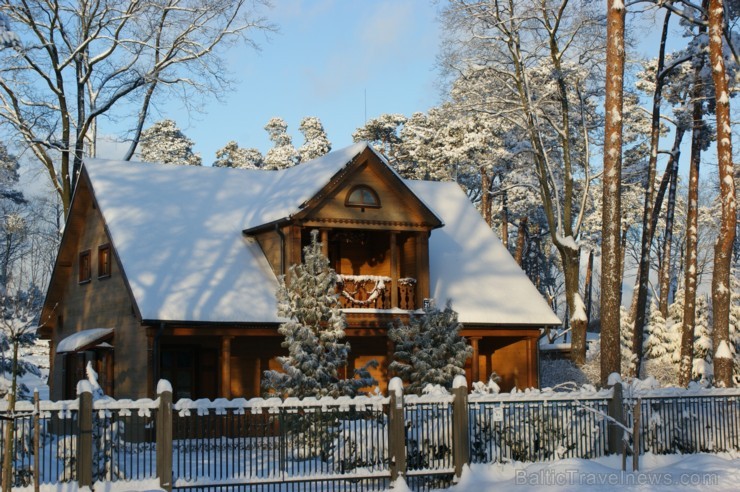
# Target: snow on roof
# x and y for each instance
(82, 339)
(469, 265)
(178, 234)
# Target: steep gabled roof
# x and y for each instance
(469, 265)
(177, 231)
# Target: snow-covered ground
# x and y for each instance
(707, 472)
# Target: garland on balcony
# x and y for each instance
(361, 279)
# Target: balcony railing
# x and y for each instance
(374, 292)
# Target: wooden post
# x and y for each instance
(394, 270)
(226, 367)
(422, 268)
(475, 364)
(636, 435)
(36, 439)
(615, 442)
(460, 428)
(164, 435)
(85, 444)
(396, 429)
(325, 242)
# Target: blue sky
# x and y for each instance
(326, 54)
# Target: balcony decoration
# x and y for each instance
(373, 291)
(360, 284)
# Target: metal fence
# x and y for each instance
(322, 444)
(686, 424)
(349, 444)
(502, 429)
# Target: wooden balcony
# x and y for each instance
(374, 292)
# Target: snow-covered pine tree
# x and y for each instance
(674, 325)
(735, 325)
(283, 154)
(702, 364)
(429, 350)
(625, 340)
(313, 333)
(231, 155)
(383, 133)
(164, 142)
(657, 361)
(655, 334)
(316, 142)
(18, 321)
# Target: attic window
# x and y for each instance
(362, 196)
(104, 261)
(84, 270)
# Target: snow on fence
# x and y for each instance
(538, 425)
(350, 443)
(697, 420)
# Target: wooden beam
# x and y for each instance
(226, 367)
(394, 269)
(422, 268)
(475, 365)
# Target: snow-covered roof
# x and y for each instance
(469, 265)
(177, 231)
(82, 339)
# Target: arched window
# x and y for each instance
(362, 196)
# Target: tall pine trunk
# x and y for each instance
(611, 277)
(690, 274)
(648, 230)
(726, 237)
(665, 267)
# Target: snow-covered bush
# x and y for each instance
(430, 349)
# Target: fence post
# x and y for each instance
(396, 429)
(85, 444)
(460, 428)
(615, 443)
(36, 439)
(164, 434)
(636, 435)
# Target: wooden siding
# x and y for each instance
(399, 209)
(99, 303)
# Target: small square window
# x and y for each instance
(84, 269)
(104, 261)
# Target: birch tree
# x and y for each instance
(79, 61)
(611, 277)
(541, 56)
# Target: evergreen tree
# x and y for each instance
(674, 325)
(313, 333)
(655, 346)
(429, 350)
(702, 364)
(625, 340)
(164, 142)
(735, 325)
(316, 142)
(282, 155)
(231, 155)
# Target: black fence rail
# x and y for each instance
(429, 443)
(349, 444)
(263, 442)
(707, 423)
(503, 429)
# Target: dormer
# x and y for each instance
(374, 230)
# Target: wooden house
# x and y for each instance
(171, 272)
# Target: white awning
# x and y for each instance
(83, 339)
